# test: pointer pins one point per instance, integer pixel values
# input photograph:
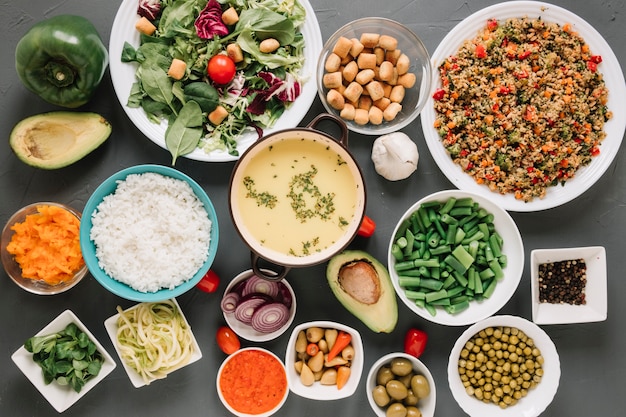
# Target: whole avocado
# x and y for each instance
(362, 284)
(62, 59)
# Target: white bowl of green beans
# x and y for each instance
(455, 258)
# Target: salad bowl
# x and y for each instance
(123, 75)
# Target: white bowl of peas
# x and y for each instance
(455, 258)
(504, 366)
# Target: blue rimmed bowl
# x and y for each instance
(88, 247)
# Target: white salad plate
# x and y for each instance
(135, 378)
(123, 77)
(613, 77)
(61, 397)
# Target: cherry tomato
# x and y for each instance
(209, 282)
(367, 227)
(221, 69)
(415, 342)
(227, 340)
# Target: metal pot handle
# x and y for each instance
(265, 273)
(342, 125)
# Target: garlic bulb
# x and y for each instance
(395, 156)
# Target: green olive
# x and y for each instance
(411, 399)
(380, 396)
(384, 375)
(396, 410)
(406, 380)
(420, 387)
(413, 412)
(401, 366)
(396, 390)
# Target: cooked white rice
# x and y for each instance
(152, 233)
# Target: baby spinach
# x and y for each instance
(184, 131)
(68, 356)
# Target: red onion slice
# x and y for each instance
(284, 295)
(270, 317)
(247, 306)
(230, 302)
(256, 284)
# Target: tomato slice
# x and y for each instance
(209, 282)
(221, 69)
(415, 342)
(227, 340)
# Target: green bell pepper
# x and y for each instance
(62, 59)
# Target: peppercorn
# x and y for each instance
(563, 282)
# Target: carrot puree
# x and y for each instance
(253, 382)
(46, 245)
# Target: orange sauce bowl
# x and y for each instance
(252, 382)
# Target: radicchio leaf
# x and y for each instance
(209, 23)
(149, 9)
(286, 90)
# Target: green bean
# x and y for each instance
(448, 254)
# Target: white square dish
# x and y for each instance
(133, 375)
(59, 396)
(595, 307)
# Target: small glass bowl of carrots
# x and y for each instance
(40, 248)
(324, 360)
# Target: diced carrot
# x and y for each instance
(343, 374)
(46, 245)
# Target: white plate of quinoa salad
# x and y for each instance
(526, 106)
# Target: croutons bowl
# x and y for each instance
(374, 73)
(40, 248)
(324, 360)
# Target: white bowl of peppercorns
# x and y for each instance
(568, 285)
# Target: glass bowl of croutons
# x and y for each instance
(375, 74)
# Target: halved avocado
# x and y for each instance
(362, 284)
(58, 139)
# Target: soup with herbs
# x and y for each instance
(297, 196)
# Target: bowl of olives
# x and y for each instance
(399, 384)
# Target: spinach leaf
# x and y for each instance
(184, 132)
(157, 84)
(266, 24)
(202, 93)
(129, 53)
(247, 42)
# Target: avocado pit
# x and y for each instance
(360, 281)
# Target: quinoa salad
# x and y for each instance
(522, 106)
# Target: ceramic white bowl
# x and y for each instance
(595, 308)
(538, 398)
(425, 405)
(111, 326)
(248, 332)
(318, 391)
(59, 396)
(230, 407)
(513, 248)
